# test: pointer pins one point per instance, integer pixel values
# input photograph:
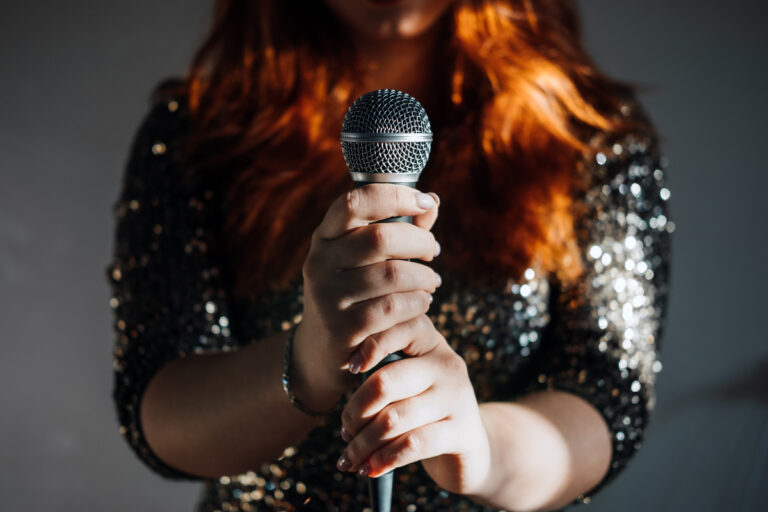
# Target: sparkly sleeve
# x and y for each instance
(603, 339)
(166, 296)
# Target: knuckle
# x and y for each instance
(418, 302)
(409, 337)
(379, 237)
(392, 303)
(392, 271)
(352, 452)
(424, 300)
(391, 420)
(431, 242)
(424, 323)
(453, 362)
(381, 384)
(415, 301)
(427, 275)
(371, 347)
(399, 196)
(413, 444)
(352, 201)
(390, 455)
(388, 305)
(346, 419)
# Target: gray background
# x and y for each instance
(74, 80)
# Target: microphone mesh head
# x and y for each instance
(381, 112)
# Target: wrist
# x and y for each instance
(311, 383)
(495, 476)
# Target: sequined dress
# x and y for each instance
(170, 300)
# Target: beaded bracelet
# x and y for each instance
(287, 375)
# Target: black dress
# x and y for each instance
(171, 298)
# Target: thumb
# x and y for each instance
(427, 219)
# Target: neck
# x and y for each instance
(403, 64)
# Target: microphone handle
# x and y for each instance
(380, 488)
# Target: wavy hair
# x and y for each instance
(267, 92)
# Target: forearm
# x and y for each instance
(226, 412)
(547, 448)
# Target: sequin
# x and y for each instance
(158, 148)
(598, 339)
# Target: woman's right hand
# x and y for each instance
(356, 283)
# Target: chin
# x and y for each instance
(389, 19)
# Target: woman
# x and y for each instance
(239, 247)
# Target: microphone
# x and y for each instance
(386, 138)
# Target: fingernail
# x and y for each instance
(355, 363)
(343, 463)
(425, 201)
(431, 298)
(436, 197)
(439, 279)
(345, 435)
(364, 469)
(437, 249)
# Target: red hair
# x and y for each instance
(268, 90)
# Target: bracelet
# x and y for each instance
(287, 375)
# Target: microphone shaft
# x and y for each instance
(380, 488)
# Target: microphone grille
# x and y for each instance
(386, 131)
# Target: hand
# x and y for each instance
(356, 282)
(418, 408)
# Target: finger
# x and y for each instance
(382, 241)
(379, 314)
(422, 443)
(394, 382)
(415, 337)
(394, 420)
(371, 203)
(379, 279)
(427, 219)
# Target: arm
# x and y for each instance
(226, 413)
(192, 400)
(584, 411)
(547, 448)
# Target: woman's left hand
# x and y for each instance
(420, 408)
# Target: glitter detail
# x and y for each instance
(598, 338)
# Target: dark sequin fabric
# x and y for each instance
(169, 300)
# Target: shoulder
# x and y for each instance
(163, 202)
(623, 215)
(166, 117)
(634, 140)
(157, 145)
(626, 166)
